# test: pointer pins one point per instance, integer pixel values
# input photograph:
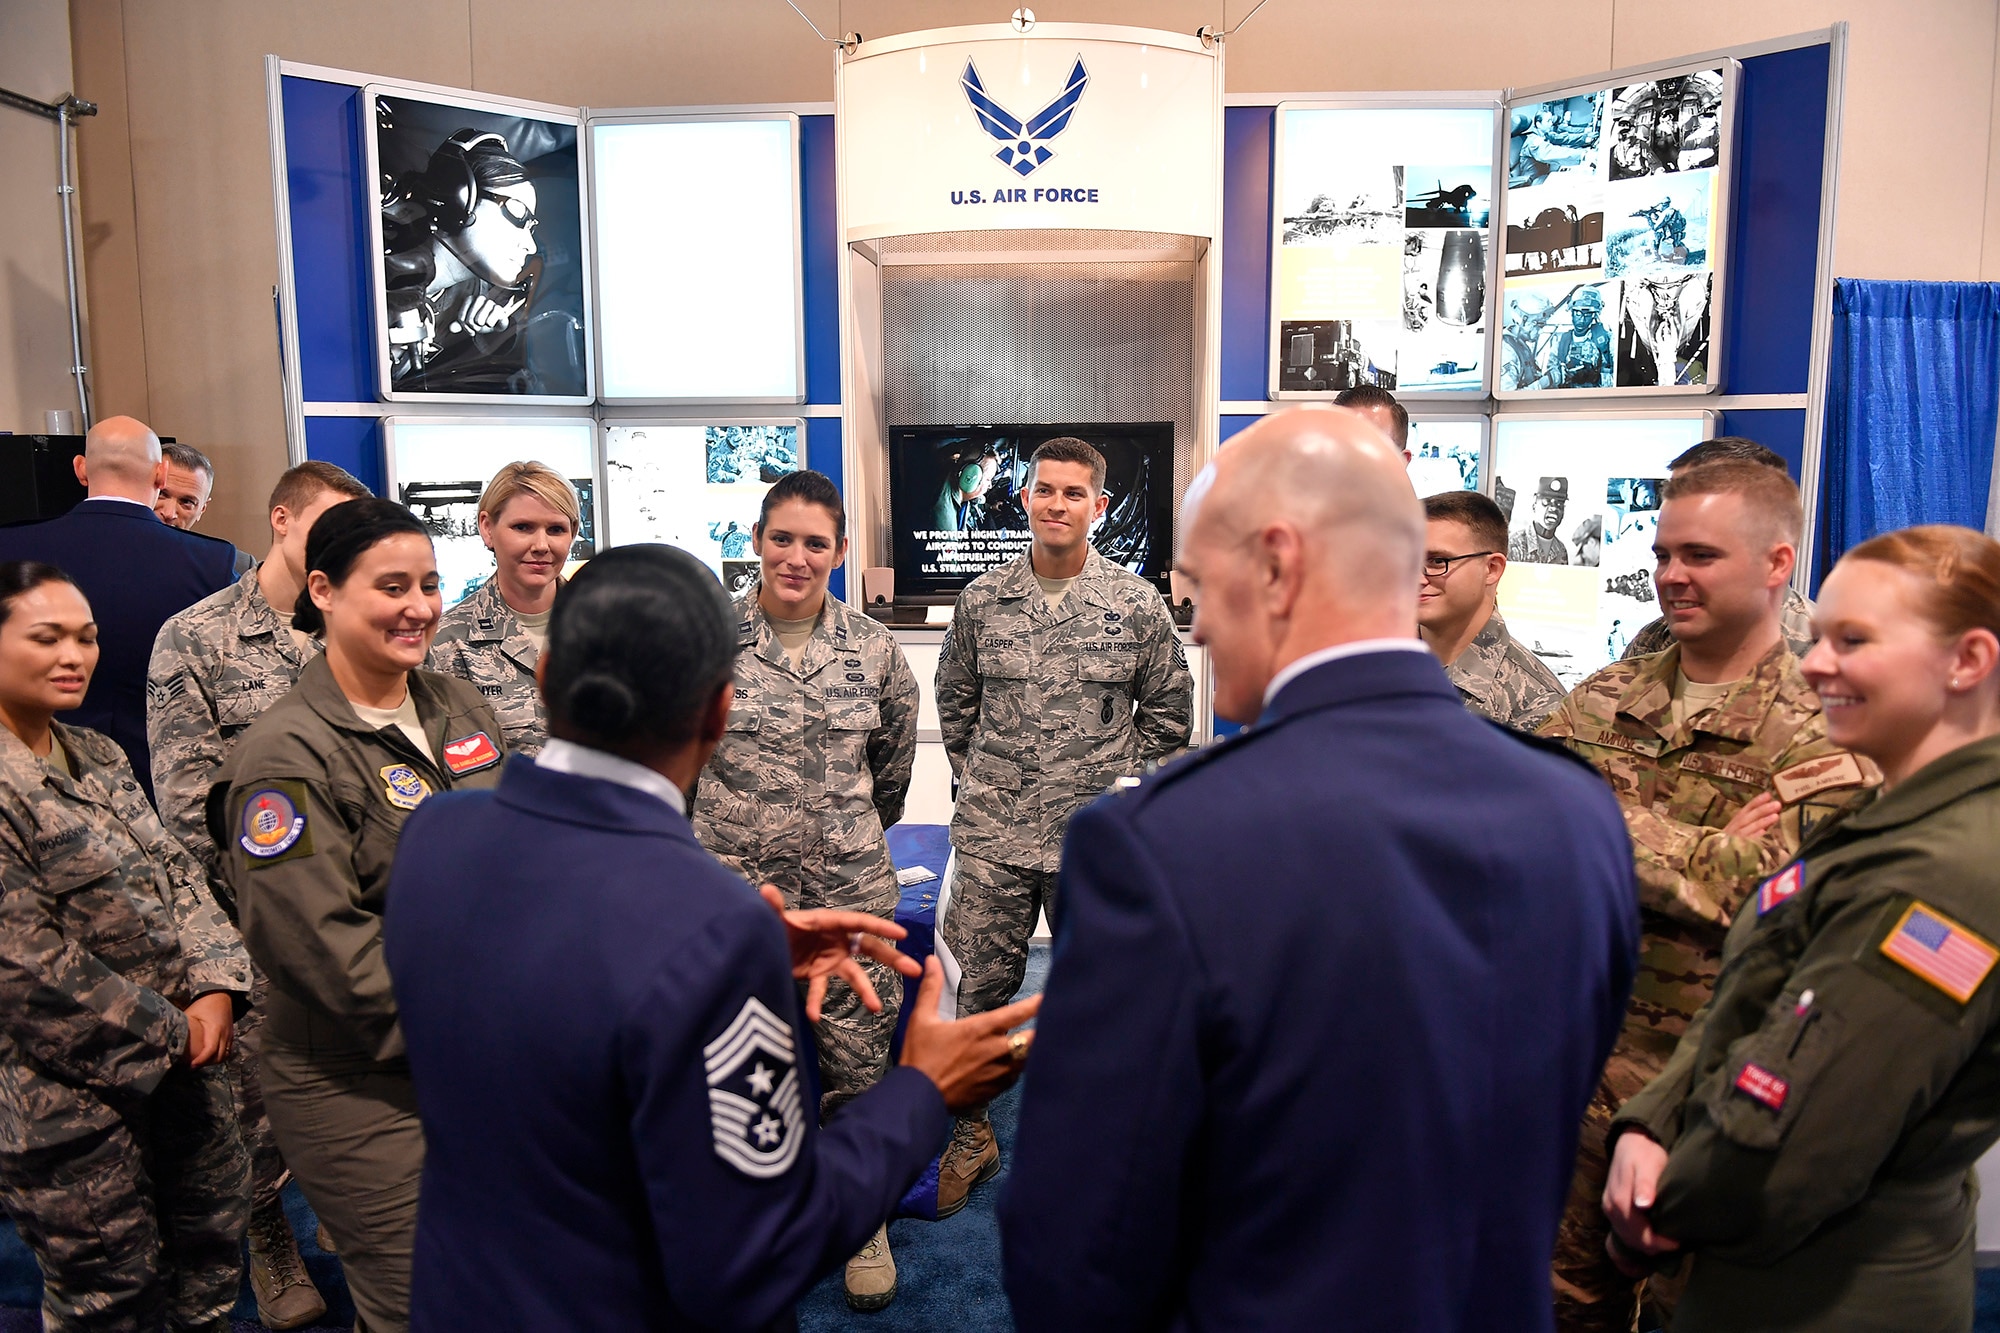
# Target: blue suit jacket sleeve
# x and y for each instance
(1113, 1098)
(738, 1251)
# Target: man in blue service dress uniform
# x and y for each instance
(603, 1024)
(1328, 998)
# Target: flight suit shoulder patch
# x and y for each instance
(1781, 887)
(1825, 773)
(1946, 954)
(272, 827)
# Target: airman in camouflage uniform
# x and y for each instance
(215, 668)
(1681, 784)
(480, 640)
(109, 1143)
(1041, 710)
(814, 766)
(1794, 622)
(1498, 677)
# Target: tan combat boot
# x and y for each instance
(972, 1159)
(871, 1274)
(286, 1297)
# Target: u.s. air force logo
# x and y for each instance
(753, 1093)
(1025, 143)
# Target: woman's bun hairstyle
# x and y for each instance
(639, 642)
(339, 537)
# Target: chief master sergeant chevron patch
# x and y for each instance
(754, 1102)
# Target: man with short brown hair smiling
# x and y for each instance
(1465, 555)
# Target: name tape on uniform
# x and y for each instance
(471, 753)
(1761, 1085)
(1942, 952)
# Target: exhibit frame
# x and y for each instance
(668, 115)
(607, 529)
(392, 422)
(1484, 420)
(1708, 418)
(1477, 100)
(378, 309)
(1721, 221)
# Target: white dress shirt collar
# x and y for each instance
(1294, 670)
(568, 757)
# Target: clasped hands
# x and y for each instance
(1629, 1190)
(971, 1060)
(211, 1024)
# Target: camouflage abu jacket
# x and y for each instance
(481, 641)
(216, 667)
(1041, 709)
(1498, 677)
(816, 762)
(1680, 786)
(107, 931)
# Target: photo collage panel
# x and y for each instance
(1612, 214)
(698, 487)
(1386, 224)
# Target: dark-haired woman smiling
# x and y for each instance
(316, 795)
(119, 1158)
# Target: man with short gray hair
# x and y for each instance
(1328, 998)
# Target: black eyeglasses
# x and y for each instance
(1439, 566)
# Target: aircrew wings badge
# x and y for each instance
(272, 823)
(469, 754)
(754, 1102)
(1780, 886)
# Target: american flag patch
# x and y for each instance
(1761, 1085)
(1780, 886)
(1941, 951)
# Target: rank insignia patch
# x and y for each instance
(272, 824)
(1941, 951)
(754, 1100)
(1761, 1085)
(471, 753)
(1780, 886)
(405, 786)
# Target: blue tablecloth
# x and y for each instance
(929, 846)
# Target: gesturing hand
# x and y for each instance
(829, 943)
(1754, 820)
(211, 1026)
(1629, 1189)
(973, 1059)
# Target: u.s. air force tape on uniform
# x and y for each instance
(753, 1093)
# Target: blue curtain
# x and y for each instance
(1912, 401)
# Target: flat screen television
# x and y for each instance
(957, 500)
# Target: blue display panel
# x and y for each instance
(354, 443)
(1246, 254)
(823, 455)
(822, 261)
(326, 183)
(1782, 429)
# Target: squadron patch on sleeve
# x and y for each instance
(273, 824)
(1780, 886)
(754, 1102)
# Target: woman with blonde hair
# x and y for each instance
(1813, 1139)
(529, 519)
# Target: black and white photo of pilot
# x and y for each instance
(750, 453)
(1667, 125)
(1657, 225)
(482, 252)
(1548, 141)
(1553, 335)
(1663, 337)
(1329, 355)
(1544, 533)
(449, 511)
(1448, 196)
(1364, 205)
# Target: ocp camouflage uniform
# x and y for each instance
(1794, 622)
(119, 1164)
(1041, 710)
(815, 764)
(1500, 678)
(215, 668)
(1680, 786)
(480, 640)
